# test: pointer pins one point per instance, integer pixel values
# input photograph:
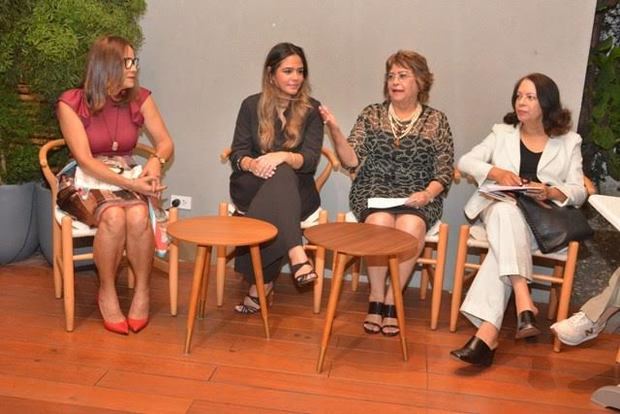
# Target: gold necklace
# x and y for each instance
(408, 125)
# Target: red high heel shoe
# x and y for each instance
(136, 325)
(121, 328)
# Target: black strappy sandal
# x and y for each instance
(374, 308)
(389, 311)
(251, 304)
(304, 278)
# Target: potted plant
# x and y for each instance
(43, 49)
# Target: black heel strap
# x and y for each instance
(389, 311)
(375, 308)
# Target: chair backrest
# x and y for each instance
(140, 149)
(332, 164)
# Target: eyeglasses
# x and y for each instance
(129, 62)
(401, 76)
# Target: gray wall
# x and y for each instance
(201, 58)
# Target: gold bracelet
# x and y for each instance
(162, 160)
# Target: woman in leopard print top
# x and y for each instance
(400, 148)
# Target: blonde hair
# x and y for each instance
(105, 72)
(417, 63)
(271, 95)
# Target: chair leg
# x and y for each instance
(442, 247)
(618, 356)
(68, 273)
(567, 287)
(173, 268)
(459, 274)
(553, 302)
(558, 271)
(56, 257)
(427, 253)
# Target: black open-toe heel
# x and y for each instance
(251, 304)
(304, 278)
(374, 308)
(389, 311)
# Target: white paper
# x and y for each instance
(608, 206)
(382, 202)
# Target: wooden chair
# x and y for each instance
(559, 282)
(318, 217)
(431, 264)
(65, 230)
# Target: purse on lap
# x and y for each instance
(553, 226)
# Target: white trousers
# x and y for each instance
(511, 244)
(608, 298)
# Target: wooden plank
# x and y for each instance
(23, 405)
(233, 368)
(89, 396)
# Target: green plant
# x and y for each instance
(605, 123)
(44, 44)
(600, 119)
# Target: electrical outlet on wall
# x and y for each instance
(181, 202)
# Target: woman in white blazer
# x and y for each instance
(533, 146)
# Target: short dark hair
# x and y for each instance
(417, 63)
(556, 119)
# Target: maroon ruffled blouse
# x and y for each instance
(120, 123)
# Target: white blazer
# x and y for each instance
(559, 165)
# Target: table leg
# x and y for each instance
(331, 308)
(199, 266)
(202, 305)
(398, 301)
(260, 286)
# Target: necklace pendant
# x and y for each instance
(114, 146)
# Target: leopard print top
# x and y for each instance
(385, 170)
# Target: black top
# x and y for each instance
(246, 142)
(529, 163)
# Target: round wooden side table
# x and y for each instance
(209, 231)
(361, 239)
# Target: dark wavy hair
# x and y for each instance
(556, 119)
(417, 63)
(105, 72)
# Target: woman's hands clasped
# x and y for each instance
(148, 183)
(265, 165)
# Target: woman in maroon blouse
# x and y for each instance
(102, 121)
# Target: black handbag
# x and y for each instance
(553, 226)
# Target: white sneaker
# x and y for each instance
(576, 329)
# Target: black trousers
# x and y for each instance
(277, 200)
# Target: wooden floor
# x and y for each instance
(233, 369)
